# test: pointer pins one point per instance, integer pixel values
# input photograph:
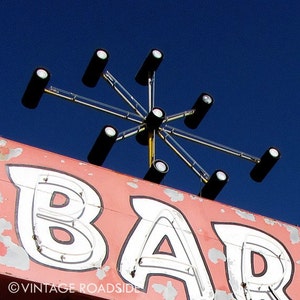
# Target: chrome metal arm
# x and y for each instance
(151, 91)
(124, 94)
(151, 133)
(178, 115)
(199, 140)
(187, 158)
(130, 132)
(93, 104)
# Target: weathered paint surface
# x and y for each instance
(97, 232)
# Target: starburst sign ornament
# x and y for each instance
(150, 123)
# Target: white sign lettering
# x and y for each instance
(141, 257)
(55, 212)
(55, 215)
(242, 244)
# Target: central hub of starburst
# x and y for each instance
(154, 119)
(152, 122)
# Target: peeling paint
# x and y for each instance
(235, 285)
(194, 197)
(1, 198)
(245, 215)
(222, 210)
(298, 262)
(271, 222)
(215, 255)
(3, 143)
(197, 198)
(168, 291)
(222, 295)
(294, 234)
(8, 153)
(174, 195)
(101, 273)
(132, 184)
(15, 255)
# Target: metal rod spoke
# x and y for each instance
(151, 147)
(94, 104)
(124, 94)
(178, 115)
(151, 88)
(186, 157)
(130, 132)
(210, 144)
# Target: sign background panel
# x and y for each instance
(30, 251)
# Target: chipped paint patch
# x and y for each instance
(168, 291)
(271, 222)
(1, 198)
(133, 183)
(222, 295)
(235, 285)
(174, 195)
(215, 255)
(8, 153)
(14, 255)
(294, 234)
(298, 262)
(101, 273)
(222, 210)
(245, 215)
(3, 143)
(197, 198)
(194, 197)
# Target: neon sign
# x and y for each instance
(120, 230)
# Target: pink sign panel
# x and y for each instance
(70, 227)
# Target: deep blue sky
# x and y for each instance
(244, 53)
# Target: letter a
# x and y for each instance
(141, 257)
